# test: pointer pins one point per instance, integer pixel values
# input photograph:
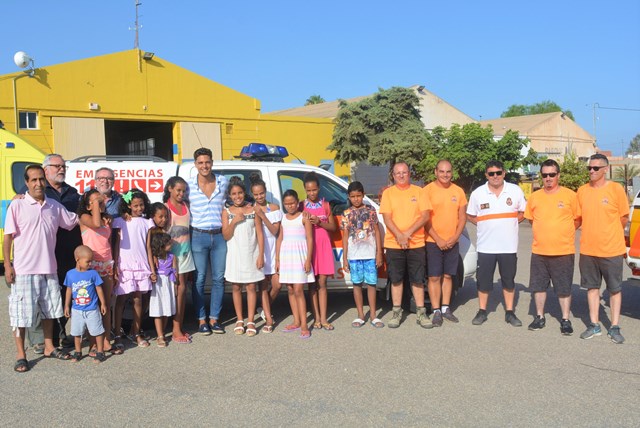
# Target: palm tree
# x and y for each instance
(314, 99)
(626, 174)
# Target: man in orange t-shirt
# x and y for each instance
(448, 217)
(554, 213)
(405, 212)
(605, 213)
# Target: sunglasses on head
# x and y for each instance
(493, 173)
(595, 168)
(550, 174)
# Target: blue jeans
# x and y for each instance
(208, 249)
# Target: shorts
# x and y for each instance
(103, 268)
(507, 264)
(441, 262)
(556, 269)
(90, 319)
(409, 262)
(363, 271)
(33, 294)
(593, 269)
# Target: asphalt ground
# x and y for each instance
(456, 375)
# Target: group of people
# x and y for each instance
(103, 246)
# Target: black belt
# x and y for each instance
(209, 231)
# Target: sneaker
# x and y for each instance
(592, 330)
(511, 318)
(423, 319)
(217, 328)
(565, 328)
(204, 329)
(614, 335)
(395, 318)
(480, 317)
(448, 315)
(538, 323)
(437, 319)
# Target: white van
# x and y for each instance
(149, 174)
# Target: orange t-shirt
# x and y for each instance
(553, 216)
(445, 203)
(405, 207)
(602, 207)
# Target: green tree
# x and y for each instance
(626, 173)
(469, 148)
(381, 129)
(573, 172)
(314, 99)
(539, 108)
(634, 146)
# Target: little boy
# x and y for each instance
(83, 286)
(362, 248)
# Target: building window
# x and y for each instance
(28, 120)
(142, 147)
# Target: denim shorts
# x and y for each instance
(90, 319)
(363, 271)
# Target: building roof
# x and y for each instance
(328, 109)
(522, 124)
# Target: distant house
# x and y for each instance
(551, 134)
(434, 111)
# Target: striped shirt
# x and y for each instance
(497, 218)
(206, 213)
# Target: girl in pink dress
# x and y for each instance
(132, 270)
(319, 214)
(95, 227)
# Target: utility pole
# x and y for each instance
(137, 26)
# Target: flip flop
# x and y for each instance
(317, 326)
(329, 327)
(357, 323)
(291, 328)
(182, 340)
(58, 355)
(377, 323)
(305, 335)
(22, 366)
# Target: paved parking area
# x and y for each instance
(457, 375)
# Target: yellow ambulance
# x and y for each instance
(15, 154)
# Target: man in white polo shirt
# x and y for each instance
(496, 208)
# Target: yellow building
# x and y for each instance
(122, 103)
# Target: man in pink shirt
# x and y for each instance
(30, 226)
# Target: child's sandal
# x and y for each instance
(251, 331)
(162, 343)
(76, 356)
(239, 329)
(99, 358)
(141, 341)
(267, 329)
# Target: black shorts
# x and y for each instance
(410, 262)
(594, 269)
(441, 262)
(556, 269)
(507, 264)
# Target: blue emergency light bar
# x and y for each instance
(263, 152)
(9, 145)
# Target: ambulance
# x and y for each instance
(15, 155)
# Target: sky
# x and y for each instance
(479, 56)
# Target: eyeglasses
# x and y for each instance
(595, 168)
(492, 173)
(105, 179)
(551, 174)
(401, 173)
(58, 166)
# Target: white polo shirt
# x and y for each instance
(497, 218)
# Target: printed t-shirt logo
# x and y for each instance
(484, 206)
(454, 199)
(560, 204)
(605, 201)
(509, 202)
(413, 199)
